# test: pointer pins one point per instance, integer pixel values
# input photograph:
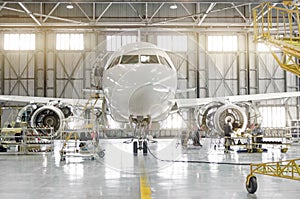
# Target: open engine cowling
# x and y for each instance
(213, 116)
(42, 117)
(26, 112)
(47, 116)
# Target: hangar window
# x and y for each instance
(172, 42)
(273, 116)
(173, 121)
(69, 42)
(114, 42)
(19, 41)
(222, 43)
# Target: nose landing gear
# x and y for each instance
(140, 145)
(141, 125)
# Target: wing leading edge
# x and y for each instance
(45, 100)
(194, 102)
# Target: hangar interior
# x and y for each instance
(57, 49)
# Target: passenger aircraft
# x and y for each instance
(139, 84)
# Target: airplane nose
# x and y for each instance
(142, 90)
(147, 100)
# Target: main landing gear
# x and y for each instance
(140, 145)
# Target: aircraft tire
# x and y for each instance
(101, 154)
(252, 185)
(135, 149)
(145, 147)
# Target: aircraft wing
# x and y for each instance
(44, 100)
(193, 102)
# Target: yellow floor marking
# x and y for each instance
(145, 188)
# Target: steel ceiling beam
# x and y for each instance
(143, 1)
(157, 10)
(30, 14)
(85, 14)
(209, 9)
(241, 14)
(50, 13)
(104, 11)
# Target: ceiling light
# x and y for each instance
(69, 6)
(173, 6)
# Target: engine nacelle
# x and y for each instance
(26, 112)
(41, 117)
(47, 116)
(233, 112)
(213, 116)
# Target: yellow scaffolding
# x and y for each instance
(288, 169)
(279, 27)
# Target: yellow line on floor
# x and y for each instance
(145, 187)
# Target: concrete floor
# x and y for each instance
(121, 175)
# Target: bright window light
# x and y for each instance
(19, 41)
(273, 116)
(69, 42)
(222, 43)
(112, 123)
(173, 121)
(114, 42)
(172, 42)
(261, 47)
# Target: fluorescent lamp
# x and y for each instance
(173, 6)
(70, 6)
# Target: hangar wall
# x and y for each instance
(46, 71)
(55, 73)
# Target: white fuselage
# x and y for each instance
(139, 80)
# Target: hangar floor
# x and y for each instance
(121, 175)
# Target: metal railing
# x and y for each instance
(279, 27)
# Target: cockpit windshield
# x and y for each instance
(149, 59)
(114, 62)
(164, 61)
(136, 59)
(143, 59)
(130, 59)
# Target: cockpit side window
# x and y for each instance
(149, 59)
(114, 62)
(164, 61)
(130, 59)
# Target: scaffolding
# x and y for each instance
(279, 27)
(80, 136)
(80, 139)
(23, 140)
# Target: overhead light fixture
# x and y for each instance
(173, 6)
(70, 6)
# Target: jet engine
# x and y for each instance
(47, 116)
(213, 116)
(25, 113)
(41, 116)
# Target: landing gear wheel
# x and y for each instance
(135, 149)
(145, 147)
(101, 154)
(62, 157)
(251, 184)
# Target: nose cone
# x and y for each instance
(149, 99)
(141, 90)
